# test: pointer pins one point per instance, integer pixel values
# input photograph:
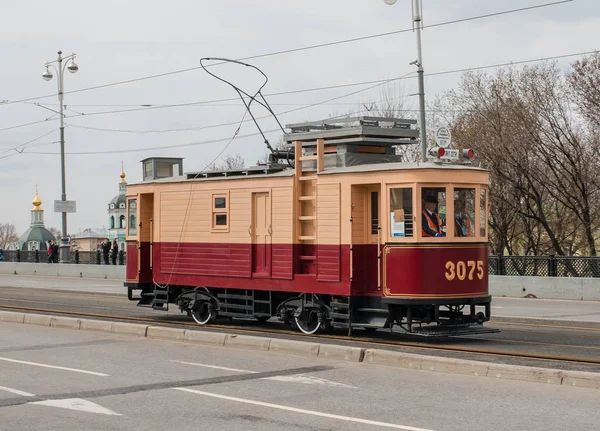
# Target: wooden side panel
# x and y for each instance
(205, 259)
(328, 232)
(282, 217)
(186, 216)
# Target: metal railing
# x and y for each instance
(545, 266)
(77, 257)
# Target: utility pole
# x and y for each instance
(65, 246)
(418, 26)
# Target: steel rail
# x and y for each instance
(344, 339)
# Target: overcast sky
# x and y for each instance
(124, 40)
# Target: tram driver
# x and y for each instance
(431, 222)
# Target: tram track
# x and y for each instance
(431, 347)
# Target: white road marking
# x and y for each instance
(303, 411)
(298, 378)
(16, 391)
(75, 370)
(496, 307)
(77, 404)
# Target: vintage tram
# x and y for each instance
(335, 232)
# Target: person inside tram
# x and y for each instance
(431, 222)
(462, 222)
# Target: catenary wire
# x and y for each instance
(294, 50)
(354, 84)
(383, 81)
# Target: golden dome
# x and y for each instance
(122, 174)
(37, 202)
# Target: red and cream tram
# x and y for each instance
(340, 236)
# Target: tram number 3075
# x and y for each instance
(464, 270)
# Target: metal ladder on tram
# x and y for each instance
(306, 206)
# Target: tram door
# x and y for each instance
(261, 235)
(146, 237)
(366, 201)
(373, 207)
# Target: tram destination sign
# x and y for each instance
(65, 206)
(443, 137)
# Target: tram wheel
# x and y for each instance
(308, 321)
(201, 313)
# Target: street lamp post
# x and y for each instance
(65, 255)
(417, 24)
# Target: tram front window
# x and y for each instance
(433, 214)
(464, 212)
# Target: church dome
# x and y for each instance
(119, 201)
(36, 234)
(116, 202)
(37, 202)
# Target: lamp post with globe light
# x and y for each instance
(65, 255)
(417, 24)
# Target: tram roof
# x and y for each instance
(282, 172)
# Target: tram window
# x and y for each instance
(464, 212)
(482, 212)
(220, 212)
(433, 217)
(401, 212)
(374, 213)
(132, 225)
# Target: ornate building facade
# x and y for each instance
(117, 222)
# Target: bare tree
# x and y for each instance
(8, 234)
(232, 162)
(584, 81)
(542, 166)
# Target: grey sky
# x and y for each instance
(118, 40)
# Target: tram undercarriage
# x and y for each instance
(312, 313)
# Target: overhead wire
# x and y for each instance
(295, 50)
(225, 139)
(380, 81)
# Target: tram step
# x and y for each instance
(160, 301)
(342, 316)
(261, 301)
(339, 305)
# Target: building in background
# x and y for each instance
(37, 236)
(117, 221)
(88, 239)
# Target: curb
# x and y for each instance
(375, 357)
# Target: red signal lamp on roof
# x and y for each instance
(437, 152)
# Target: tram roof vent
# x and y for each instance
(354, 140)
(154, 168)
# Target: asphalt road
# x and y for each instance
(580, 311)
(55, 379)
(518, 337)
